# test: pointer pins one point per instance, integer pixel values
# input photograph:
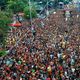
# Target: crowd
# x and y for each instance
(47, 50)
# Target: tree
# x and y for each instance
(3, 4)
(4, 21)
(27, 12)
(16, 5)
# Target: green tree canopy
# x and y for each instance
(16, 5)
(27, 12)
(3, 4)
(5, 19)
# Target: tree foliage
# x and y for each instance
(4, 22)
(3, 4)
(16, 5)
(27, 12)
(5, 19)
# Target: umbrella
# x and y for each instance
(15, 24)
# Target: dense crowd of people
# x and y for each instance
(47, 50)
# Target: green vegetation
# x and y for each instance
(16, 5)
(27, 12)
(3, 4)
(5, 19)
(22, 6)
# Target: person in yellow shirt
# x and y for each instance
(49, 70)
